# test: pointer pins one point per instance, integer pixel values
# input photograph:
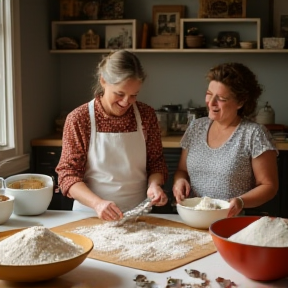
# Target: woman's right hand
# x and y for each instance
(108, 211)
(181, 189)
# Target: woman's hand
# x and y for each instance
(108, 211)
(181, 189)
(236, 206)
(158, 196)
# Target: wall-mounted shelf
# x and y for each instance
(75, 29)
(248, 28)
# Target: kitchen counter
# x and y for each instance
(93, 273)
(167, 142)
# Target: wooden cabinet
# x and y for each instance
(46, 158)
(278, 206)
(44, 161)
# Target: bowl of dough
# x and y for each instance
(37, 253)
(32, 192)
(256, 247)
(6, 207)
(201, 212)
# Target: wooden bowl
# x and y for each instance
(35, 273)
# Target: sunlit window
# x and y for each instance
(12, 159)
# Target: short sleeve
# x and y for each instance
(262, 141)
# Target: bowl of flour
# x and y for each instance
(37, 253)
(200, 212)
(256, 247)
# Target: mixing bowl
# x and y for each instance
(29, 201)
(35, 273)
(6, 207)
(255, 262)
(201, 219)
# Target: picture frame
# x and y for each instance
(166, 19)
(112, 9)
(222, 9)
(118, 37)
(279, 19)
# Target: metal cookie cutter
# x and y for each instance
(142, 208)
(142, 281)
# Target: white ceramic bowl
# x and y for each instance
(248, 44)
(6, 209)
(30, 201)
(201, 219)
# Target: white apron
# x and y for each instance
(116, 165)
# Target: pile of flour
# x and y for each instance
(269, 232)
(140, 241)
(207, 203)
(37, 245)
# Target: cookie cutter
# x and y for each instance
(142, 208)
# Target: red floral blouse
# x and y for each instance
(76, 137)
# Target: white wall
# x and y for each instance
(52, 83)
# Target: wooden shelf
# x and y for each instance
(248, 28)
(75, 29)
(200, 50)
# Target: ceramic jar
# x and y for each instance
(266, 115)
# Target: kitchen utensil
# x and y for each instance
(255, 262)
(141, 209)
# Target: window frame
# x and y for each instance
(12, 159)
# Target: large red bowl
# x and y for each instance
(254, 262)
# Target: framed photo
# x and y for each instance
(279, 18)
(166, 19)
(118, 36)
(222, 9)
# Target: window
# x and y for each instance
(12, 159)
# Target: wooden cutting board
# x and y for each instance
(199, 251)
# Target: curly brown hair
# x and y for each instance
(241, 81)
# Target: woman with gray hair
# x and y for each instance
(112, 155)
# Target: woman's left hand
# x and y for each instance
(235, 207)
(158, 196)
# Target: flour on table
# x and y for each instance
(140, 241)
(269, 232)
(37, 245)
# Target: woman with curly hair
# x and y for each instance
(226, 155)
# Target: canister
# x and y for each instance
(266, 115)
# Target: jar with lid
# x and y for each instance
(266, 115)
(192, 114)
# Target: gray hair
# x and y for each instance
(117, 67)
